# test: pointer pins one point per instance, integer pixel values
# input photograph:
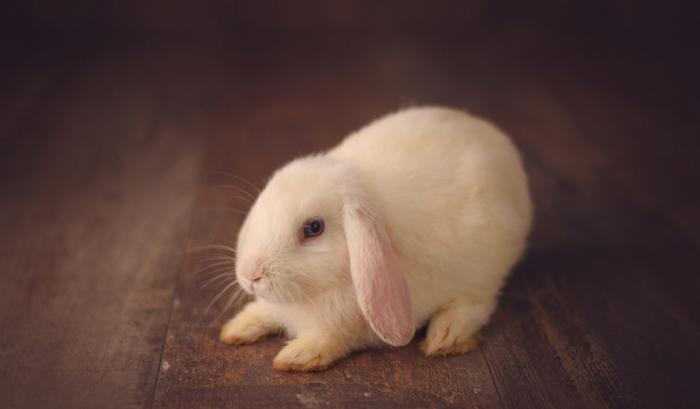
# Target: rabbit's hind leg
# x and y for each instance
(453, 329)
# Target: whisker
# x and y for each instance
(235, 300)
(219, 258)
(247, 200)
(237, 189)
(221, 265)
(208, 247)
(219, 295)
(224, 209)
(214, 262)
(219, 277)
(246, 181)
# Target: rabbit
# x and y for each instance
(415, 219)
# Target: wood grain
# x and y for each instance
(95, 201)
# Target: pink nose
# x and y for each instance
(252, 269)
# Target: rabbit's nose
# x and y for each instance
(257, 275)
(252, 269)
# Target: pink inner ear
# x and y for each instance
(380, 287)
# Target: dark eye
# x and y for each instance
(313, 228)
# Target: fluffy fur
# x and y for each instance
(426, 211)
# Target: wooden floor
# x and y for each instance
(111, 162)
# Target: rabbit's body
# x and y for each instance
(453, 202)
(453, 194)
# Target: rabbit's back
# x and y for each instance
(453, 193)
(437, 162)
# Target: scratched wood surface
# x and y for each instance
(114, 158)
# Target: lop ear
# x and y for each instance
(380, 287)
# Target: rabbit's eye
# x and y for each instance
(313, 228)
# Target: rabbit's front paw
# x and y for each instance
(248, 326)
(307, 353)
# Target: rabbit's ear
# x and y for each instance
(380, 287)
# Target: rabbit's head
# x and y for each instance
(314, 229)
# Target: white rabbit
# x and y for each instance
(417, 217)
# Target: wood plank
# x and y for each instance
(96, 201)
(650, 139)
(98, 190)
(197, 370)
(594, 280)
(551, 344)
(533, 363)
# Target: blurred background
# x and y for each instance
(121, 120)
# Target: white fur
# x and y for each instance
(453, 198)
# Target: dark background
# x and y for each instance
(117, 119)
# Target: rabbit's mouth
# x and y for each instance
(267, 288)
